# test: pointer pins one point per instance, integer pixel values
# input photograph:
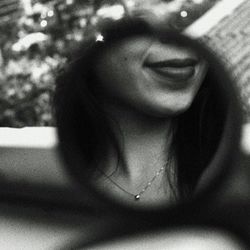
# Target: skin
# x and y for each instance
(145, 101)
(127, 82)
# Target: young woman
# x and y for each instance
(139, 117)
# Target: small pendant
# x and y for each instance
(137, 197)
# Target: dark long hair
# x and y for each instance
(84, 129)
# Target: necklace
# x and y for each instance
(139, 194)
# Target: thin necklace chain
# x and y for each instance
(139, 194)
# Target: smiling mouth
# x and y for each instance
(177, 70)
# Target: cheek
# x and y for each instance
(202, 71)
(116, 76)
(118, 68)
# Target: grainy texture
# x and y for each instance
(230, 38)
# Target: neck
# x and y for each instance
(144, 142)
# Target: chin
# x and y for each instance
(172, 109)
(165, 112)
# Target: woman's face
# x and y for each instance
(151, 77)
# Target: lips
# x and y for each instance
(175, 70)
